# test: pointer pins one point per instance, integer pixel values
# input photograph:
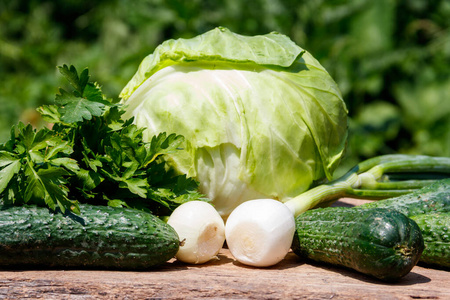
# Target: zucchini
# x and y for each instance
(436, 234)
(431, 198)
(378, 242)
(101, 237)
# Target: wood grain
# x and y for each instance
(224, 278)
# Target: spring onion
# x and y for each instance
(258, 226)
(260, 232)
(201, 230)
(380, 177)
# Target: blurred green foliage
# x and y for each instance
(390, 58)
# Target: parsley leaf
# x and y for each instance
(77, 82)
(48, 184)
(84, 102)
(10, 166)
(35, 169)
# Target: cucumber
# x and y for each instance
(431, 198)
(423, 206)
(378, 242)
(436, 234)
(101, 237)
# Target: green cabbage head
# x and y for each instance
(261, 117)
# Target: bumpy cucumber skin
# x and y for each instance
(378, 242)
(101, 237)
(432, 198)
(436, 234)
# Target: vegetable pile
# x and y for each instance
(381, 239)
(224, 137)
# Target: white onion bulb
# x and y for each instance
(201, 230)
(260, 232)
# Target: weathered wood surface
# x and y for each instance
(223, 279)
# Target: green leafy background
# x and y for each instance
(390, 58)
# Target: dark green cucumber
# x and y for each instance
(432, 198)
(426, 202)
(378, 242)
(436, 234)
(101, 237)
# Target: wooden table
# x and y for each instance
(224, 278)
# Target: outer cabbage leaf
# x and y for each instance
(217, 45)
(261, 116)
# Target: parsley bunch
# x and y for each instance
(90, 155)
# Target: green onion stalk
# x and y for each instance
(377, 178)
